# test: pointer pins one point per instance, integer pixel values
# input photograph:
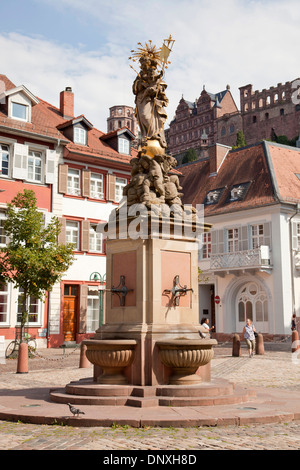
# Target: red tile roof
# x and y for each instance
(47, 121)
(285, 165)
(247, 165)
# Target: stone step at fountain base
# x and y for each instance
(216, 392)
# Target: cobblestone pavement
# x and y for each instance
(278, 368)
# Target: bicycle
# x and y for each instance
(15, 344)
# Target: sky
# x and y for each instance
(48, 45)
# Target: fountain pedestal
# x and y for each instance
(147, 313)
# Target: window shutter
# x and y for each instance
(50, 166)
(84, 289)
(62, 235)
(295, 235)
(111, 187)
(20, 161)
(243, 238)
(85, 235)
(221, 241)
(267, 234)
(86, 183)
(62, 178)
(214, 242)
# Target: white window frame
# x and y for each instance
(298, 236)
(96, 186)
(232, 240)
(93, 310)
(80, 135)
(257, 235)
(95, 239)
(5, 293)
(124, 146)
(2, 235)
(206, 245)
(74, 182)
(119, 185)
(25, 106)
(4, 152)
(72, 233)
(34, 156)
(30, 302)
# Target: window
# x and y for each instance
(3, 303)
(19, 111)
(93, 310)
(223, 131)
(73, 187)
(96, 241)
(80, 135)
(257, 234)
(96, 190)
(254, 119)
(232, 129)
(237, 193)
(124, 146)
(120, 184)
(2, 233)
(298, 236)
(72, 233)
(233, 240)
(253, 303)
(35, 166)
(206, 245)
(33, 308)
(282, 112)
(4, 160)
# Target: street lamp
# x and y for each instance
(97, 277)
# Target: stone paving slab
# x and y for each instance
(273, 424)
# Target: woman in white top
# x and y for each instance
(249, 336)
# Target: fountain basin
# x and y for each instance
(185, 357)
(112, 356)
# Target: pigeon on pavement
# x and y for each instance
(75, 411)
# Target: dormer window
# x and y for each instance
(213, 196)
(19, 111)
(124, 146)
(238, 192)
(80, 136)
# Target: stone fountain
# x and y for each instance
(150, 342)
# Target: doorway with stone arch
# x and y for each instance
(252, 302)
(247, 297)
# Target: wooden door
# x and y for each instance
(70, 312)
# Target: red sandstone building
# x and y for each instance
(77, 173)
(215, 118)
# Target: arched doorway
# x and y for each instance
(252, 302)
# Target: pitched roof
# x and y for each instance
(284, 164)
(47, 122)
(247, 166)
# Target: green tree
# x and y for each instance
(240, 140)
(189, 156)
(33, 260)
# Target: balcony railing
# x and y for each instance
(256, 258)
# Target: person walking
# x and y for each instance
(249, 335)
(294, 322)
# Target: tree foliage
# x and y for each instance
(32, 260)
(189, 156)
(240, 140)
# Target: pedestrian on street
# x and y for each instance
(249, 335)
(294, 322)
(205, 324)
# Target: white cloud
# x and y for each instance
(232, 42)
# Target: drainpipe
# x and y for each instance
(291, 255)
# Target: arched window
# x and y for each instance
(252, 303)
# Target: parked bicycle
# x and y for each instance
(15, 344)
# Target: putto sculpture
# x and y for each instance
(152, 181)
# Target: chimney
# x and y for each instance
(217, 153)
(67, 103)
